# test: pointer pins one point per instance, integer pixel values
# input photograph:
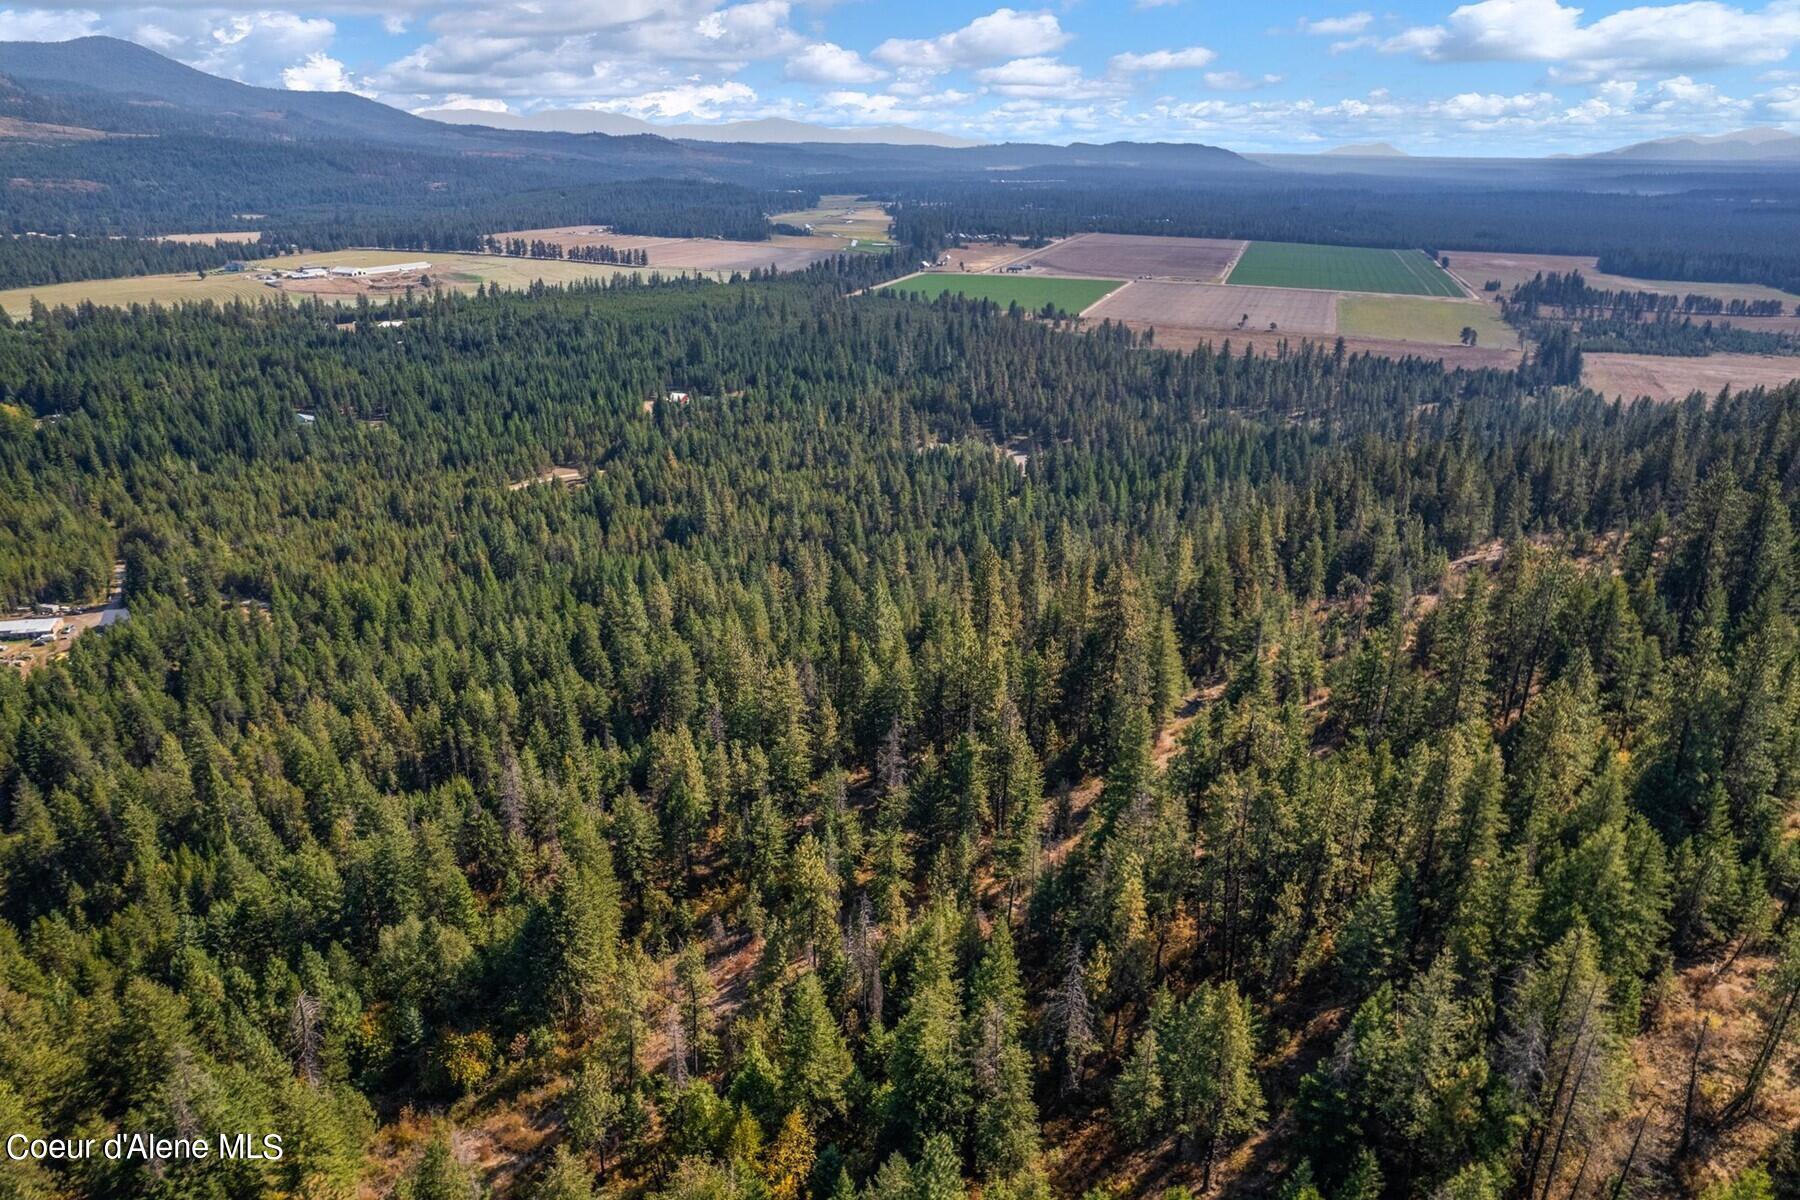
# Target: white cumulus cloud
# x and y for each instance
(1163, 60)
(1001, 35)
(1344, 26)
(320, 73)
(1043, 78)
(695, 101)
(828, 62)
(1697, 35)
(46, 25)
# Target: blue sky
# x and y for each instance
(1488, 78)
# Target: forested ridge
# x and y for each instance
(790, 809)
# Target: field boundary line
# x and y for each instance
(876, 287)
(1082, 315)
(1467, 288)
(1237, 257)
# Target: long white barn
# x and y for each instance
(389, 269)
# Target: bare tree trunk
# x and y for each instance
(1693, 1084)
(1759, 1067)
(1581, 1171)
(1541, 1135)
(1631, 1155)
(1562, 1133)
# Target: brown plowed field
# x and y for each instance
(1218, 307)
(1662, 377)
(1128, 256)
(684, 254)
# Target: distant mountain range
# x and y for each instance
(114, 86)
(162, 90)
(769, 130)
(1366, 150)
(1746, 146)
(99, 135)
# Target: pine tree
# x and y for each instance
(1005, 1137)
(591, 1112)
(565, 1179)
(584, 923)
(438, 1175)
(938, 1174)
(1138, 1094)
(678, 783)
(815, 1063)
(925, 1063)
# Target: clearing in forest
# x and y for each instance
(839, 223)
(1343, 269)
(1029, 292)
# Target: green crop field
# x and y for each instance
(1066, 295)
(1342, 269)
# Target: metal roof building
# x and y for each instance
(15, 629)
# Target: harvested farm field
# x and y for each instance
(1418, 319)
(1242, 310)
(1133, 257)
(1665, 377)
(1065, 295)
(1476, 267)
(984, 256)
(685, 254)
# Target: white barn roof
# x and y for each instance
(29, 627)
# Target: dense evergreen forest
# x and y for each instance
(26, 261)
(1312, 776)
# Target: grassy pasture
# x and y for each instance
(1413, 319)
(1342, 269)
(460, 272)
(1029, 292)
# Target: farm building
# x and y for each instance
(25, 629)
(390, 269)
